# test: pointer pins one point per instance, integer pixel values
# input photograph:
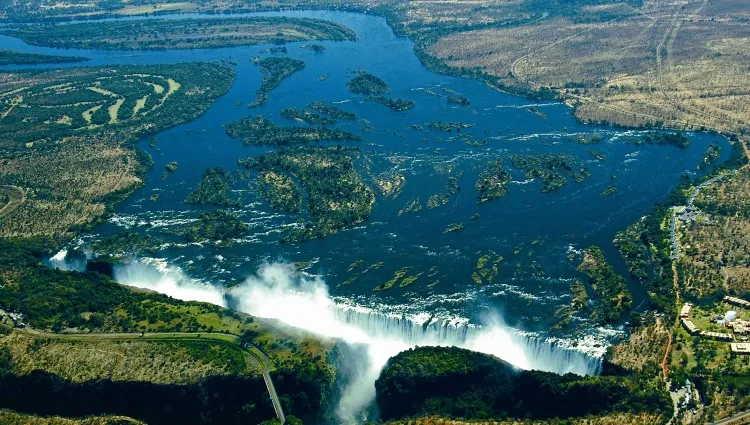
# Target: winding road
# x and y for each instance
(220, 338)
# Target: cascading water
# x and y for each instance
(302, 301)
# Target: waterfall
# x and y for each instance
(522, 350)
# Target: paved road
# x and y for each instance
(736, 419)
(249, 348)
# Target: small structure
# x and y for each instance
(690, 326)
(740, 347)
(739, 326)
(717, 335)
(686, 309)
(737, 301)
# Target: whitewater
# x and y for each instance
(301, 300)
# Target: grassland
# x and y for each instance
(67, 136)
(160, 34)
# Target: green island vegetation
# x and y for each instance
(612, 295)
(356, 266)
(277, 50)
(213, 189)
(332, 111)
(172, 166)
(551, 169)
(390, 184)
(367, 84)
(712, 154)
(677, 139)
(122, 348)
(13, 57)
(578, 303)
(412, 205)
(455, 227)
(447, 126)
(536, 111)
(609, 191)
(218, 227)
(492, 182)
(487, 268)
(314, 47)
(306, 116)
(336, 196)
(589, 139)
(459, 100)
(397, 276)
(165, 34)
(280, 191)
(273, 70)
(452, 382)
(260, 131)
(99, 113)
(398, 105)
(451, 188)
(598, 155)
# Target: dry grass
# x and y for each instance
(646, 345)
(684, 66)
(614, 419)
(717, 245)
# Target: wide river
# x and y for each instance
(539, 235)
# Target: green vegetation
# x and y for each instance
(172, 166)
(551, 169)
(487, 268)
(451, 188)
(13, 57)
(331, 111)
(260, 131)
(492, 182)
(314, 47)
(367, 84)
(412, 205)
(598, 155)
(274, 71)
(12, 418)
(213, 189)
(612, 295)
(398, 105)
(69, 135)
(125, 245)
(662, 138)
(609, 191)
(456, 383)
(455, 227)
(336, 196)
(713, 152)
(447, 126)
(165, 34)
(459, 100)
(306, 116)
(397, 276)
(218, 227)
(280, 191)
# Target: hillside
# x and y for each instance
(453, 382)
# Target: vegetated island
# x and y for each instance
(163, 34)
(551, 169)
(332, 111)
(217, 227)
(492, 182)
(13, 57)
(336, 196)
(306, 116)
(459, 100)
(395, 104)
(612, 294)
(452, 382)
(260, 131)
(274, 70)
(69, 135)
(712, 154)
(372, 86)
(213, 189)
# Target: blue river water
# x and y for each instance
(539, 235)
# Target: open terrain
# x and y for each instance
(180, 33)
(67, 136)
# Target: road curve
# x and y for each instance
(732, 419)
(251, 349)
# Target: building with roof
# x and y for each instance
(737, 301)
(740, 347)
(717, 335)
(690, 326)
(686, 309)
